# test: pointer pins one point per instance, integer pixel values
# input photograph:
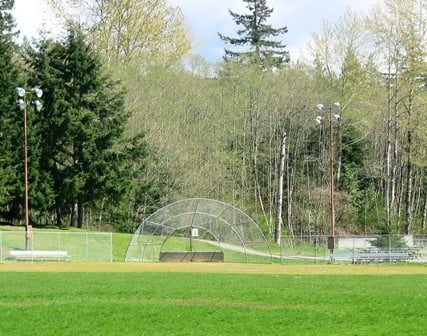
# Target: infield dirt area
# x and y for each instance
(214, 268)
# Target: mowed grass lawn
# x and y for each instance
(172, 302)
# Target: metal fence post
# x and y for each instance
(86, 248)
(389, 248)
(111, 247)
(59, 245)
(315, 249)
(353, 250)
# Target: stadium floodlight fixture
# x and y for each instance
(38, 105)
(20, 91)
(21, 104)
(336, 118)
(38, 92)
(319, 119)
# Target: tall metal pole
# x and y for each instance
(319, 119)
(23, 107)
(28, 227)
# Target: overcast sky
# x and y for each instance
(205, 18)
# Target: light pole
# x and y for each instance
(22, 104)
(332, 118)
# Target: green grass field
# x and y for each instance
(174, 300)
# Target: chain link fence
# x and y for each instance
(353, 249)
(56, 246)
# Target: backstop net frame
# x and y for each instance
(199, 224)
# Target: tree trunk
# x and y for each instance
(279, 205)
(409, 200)
(58, 214)
(423, 222)
(80, 214)
(289, 191)
(73, 219)
(388, 182)
(409, 176)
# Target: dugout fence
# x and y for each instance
(56, 246)
(314, 249)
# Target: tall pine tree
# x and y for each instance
(257, 35)
(11, 126)
(81, 127)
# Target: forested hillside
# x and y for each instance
(119, 137)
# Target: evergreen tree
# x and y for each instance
(256, 34)
(81, 129)
(51, 125)
(11, 169)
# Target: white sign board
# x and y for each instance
(194, 232)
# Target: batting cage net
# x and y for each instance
(199, 230)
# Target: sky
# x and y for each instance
(206, 18)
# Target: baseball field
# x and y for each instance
(211, 299)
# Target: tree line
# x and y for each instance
(243, 131)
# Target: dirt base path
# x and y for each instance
(214, 268)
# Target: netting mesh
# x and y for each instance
(199, 225)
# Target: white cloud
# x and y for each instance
(32, 16)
